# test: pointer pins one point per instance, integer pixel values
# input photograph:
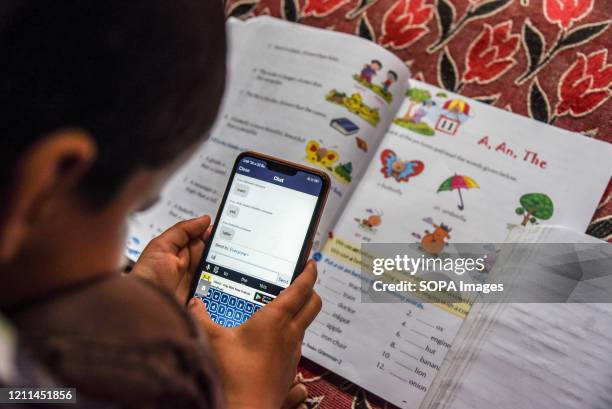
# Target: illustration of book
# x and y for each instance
(344, 125)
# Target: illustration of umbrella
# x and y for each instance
(458, 182)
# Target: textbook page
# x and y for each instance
(307, 95)
(462, 172)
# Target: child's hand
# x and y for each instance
(171, 258)
(258, 360)
(296, 397)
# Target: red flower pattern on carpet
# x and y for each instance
(565, 12)
(405, 22)
(491, 54)
(320, 8)
(585, 85)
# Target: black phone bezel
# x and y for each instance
(281, 166)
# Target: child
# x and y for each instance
(391, 78)
(421, 112)
(370, 70)
(101, 102)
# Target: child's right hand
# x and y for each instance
(258, 360)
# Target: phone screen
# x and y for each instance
(260, 237)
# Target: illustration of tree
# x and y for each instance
(535, 206)
(344, 171)
(418, 95)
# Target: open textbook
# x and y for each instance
(408, 162)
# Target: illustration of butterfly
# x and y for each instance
(319, 155)
(398, 169)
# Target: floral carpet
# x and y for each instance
(545, 59)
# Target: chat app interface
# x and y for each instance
(258, 240)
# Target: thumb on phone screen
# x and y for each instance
(299, 300)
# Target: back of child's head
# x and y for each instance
(143, 77)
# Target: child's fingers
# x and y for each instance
(179, 235)
(207, 233)
(297, 394)
(308, 312)
(295, 296)
(196, 248)
(200, 315)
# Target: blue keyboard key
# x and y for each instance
(228, 310)
(215, 295)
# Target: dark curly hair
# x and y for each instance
(143, 77)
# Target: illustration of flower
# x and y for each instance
(491, 54)
(405, 22)
(320, 8)
(585, 85)
(565, 12)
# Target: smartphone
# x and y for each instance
(262, 235)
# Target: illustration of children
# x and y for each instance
(418, 115)
(370, 70)
(391, 78)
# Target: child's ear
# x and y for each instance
(50, 169)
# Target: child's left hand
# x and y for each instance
(171, 258)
